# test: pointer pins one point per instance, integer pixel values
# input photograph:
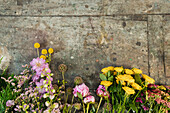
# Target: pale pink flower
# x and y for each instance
(82, 89)
(10, 103)
(89, 99)
(37, 64)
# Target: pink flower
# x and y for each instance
(145, 108)
(40, 87)
(101, 91)
(82, 89)
(139, 100)
(10, 103)
(37, 64)
(89, 99)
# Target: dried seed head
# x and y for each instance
(69, 90)
(78, 80)
(55, 86)
(77, 106)
(62, 68)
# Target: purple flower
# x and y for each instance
(10, 103)
(139, 100)
(82, 89)
(89, 99)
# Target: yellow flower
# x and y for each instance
(44, 51)
(162, 87)
(148, 79)
(122, 82)
(37, 45)
(128, 71)
(42, 56)
(136, 86)
(106, 69)
(137, 71)
(125, 77)
(129, 90)
(106, 83)
(50, 50)
(118, 69)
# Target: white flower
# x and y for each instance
(47, 103)
(45, 95)
(53, 90)
(51, 97)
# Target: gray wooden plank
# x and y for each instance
(156, 48)
(83, 7)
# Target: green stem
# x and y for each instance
(88, 107)
(74, 111)
(138, 94)
(71, 103)
(124, 103)
(83, 108)
(38, 52)
(129, 110)
(99, 104)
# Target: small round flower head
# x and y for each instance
(78, 80)
(107, 106)
(50, 50)
(43, 56)
(69, 90)
(37, 45)
(77, 106)
(55, 86)
(44, 51)
(62, 68)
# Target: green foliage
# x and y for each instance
(103, 77)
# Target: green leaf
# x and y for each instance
(110, 78)
(138, 79)
(133, 106)
(103, 77)
(108, 73)
(80, 96)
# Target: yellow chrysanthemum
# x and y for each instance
(136, 86)
(148, 79)
(128, 71)
(37, 45)
(137, 71)
(44, 51)
(162, 87)
(42, 56)
(125, 77)
(118, 69)
(129, 90)
(106, 69)
(106, 83)
(122, 82)
(50, 50)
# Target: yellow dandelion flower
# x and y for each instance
(106, 69)
(125, 77)
(106, 83)
(36, 45)
(129, 90)
(118, 69)
(43, 56)
(50, 50)
(148, 79)
(122, 82)
(137, 71)
(44, 51)
(136, 86)
(128, 71)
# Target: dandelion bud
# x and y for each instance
(62, 68)
(78, 80)
(77, 106)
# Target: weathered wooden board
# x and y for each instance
(84, 44)
(156, 48)
(83, 7)
(166, 34)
